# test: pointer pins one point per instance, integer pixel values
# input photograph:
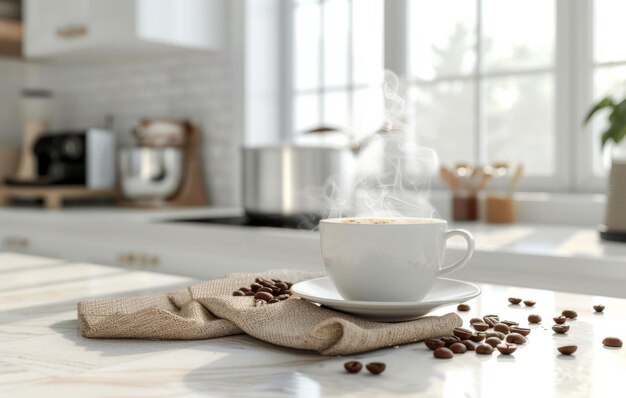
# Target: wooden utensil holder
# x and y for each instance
(464, 208)
(499, 209)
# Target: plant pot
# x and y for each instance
(614, 227)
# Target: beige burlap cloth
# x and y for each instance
(209, 310)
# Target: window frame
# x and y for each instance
(573, 89)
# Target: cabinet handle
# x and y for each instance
(72, 31)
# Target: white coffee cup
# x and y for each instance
(387, 259)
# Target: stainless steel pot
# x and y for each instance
(290, 180)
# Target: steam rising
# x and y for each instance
(393, 171)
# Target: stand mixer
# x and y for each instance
(165, 168)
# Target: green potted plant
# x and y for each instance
(614, 227)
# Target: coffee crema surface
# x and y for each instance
(384, 220)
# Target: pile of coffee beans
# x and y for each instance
(268, 290)
(374, 368)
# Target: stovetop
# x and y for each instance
(306, 222)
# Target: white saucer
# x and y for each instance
(444, 292)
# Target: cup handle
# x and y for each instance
(468, 254)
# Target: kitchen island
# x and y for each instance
(42, 353)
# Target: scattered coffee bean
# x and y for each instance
(502, 328)
(515, 338)
(523, 331)
(287, 292)
(458, 348)
(353, 366)
(475, 320)
(491, 321)
(534, 318)
(506, 348)
(376, 368)
(612, 342)
(559, 320)
(560, 329)
(510, 323)
(493, 341)
(497, 318)
(481, 326)
(272, 301)
(250, 293)
(443, 353)
(529, 303)
(282, 297)
(449, 340)
(571, 314)
(484, 349)
(255, 286)
(265, 296)
(462, 333)
(471, 346)
(238, 293)
(282, 285)
(433, 344)
(598, 308)
(244, 289)
(499, 335)
(463, 307)
(567, 349)
(515, 300)
(264, 289)
(478, 336)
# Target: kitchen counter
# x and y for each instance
(569, 258)
(42, 354)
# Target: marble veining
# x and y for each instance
(42, 353)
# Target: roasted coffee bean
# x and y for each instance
(433, 344)
(287, 292)
(443, 353)
(515, 300)
(469, 344)
(353, 366)
(480, 326)
(529, 303)
(510, 323)
(571, 314)
(462, 333)
(244, 289)
(515, 338)
(376, 368)
(567, 349)
(238, 293)
(458, 348)
(598, 308)
(502, 328)
(449, 340)
(475, 320)
(282, 297)
(612, 342)
(255, 286)
(497, 318)
(478, 336)
(265, 296)
(506, 348)
(484, 349)
(264, 289)
(560, 329)
(559, 320)
(250, 293)
(282, 285)
(265, 283)
(491, 321)
(499, 335)
(463, 307)
(523, 331)
(493, 341)
(534, 318)
(272, 301)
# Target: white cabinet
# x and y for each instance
(69, 29)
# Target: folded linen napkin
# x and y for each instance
(208, 310)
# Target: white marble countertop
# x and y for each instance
(42, 354)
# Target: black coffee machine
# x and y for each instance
(78, 158)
